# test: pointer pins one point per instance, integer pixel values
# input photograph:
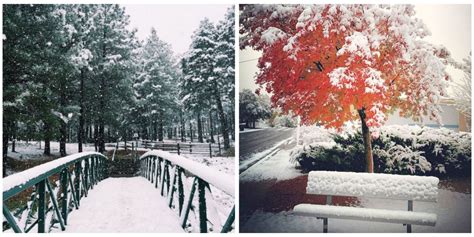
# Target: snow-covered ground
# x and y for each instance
(31, 150)
(453, 211)
(256, 167)
(251, 130)
(257, 157)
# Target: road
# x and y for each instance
(260, 140)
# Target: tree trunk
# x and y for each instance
(155, 130)
(62, 138)
(5, 139)
(231, 125)
(47, 138)
(211, 129)
(220, 109)
(367, 141)
(125, 139)
(199, 127)
(183, 127)
(170, 133)
(96, 136)
(14, 136)
(160, 127)
(191, 134)
(102, 91)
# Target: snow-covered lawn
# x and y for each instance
(453, 211)
(220, 163)
(31, 150)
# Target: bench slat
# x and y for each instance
(389, 186)
(367, 214)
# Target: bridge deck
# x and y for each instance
(123, 205)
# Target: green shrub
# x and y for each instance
(397, 150)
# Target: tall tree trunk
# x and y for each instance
(102, 91)
(170, 132)
(232, 124)
(211, 127)
(191, 134)
(96, 136)
(199, 122)
(47, 138)
(154, 136)
(80, 133)
(220, 109)
(367, 141)
(183, 127)
(160, 127)
(6, 136)
(63, 124)
(125, 138)
(14, 131)
(62, 138)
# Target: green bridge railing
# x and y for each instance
(169, 171)
(55, 189)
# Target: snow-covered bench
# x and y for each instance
(386, 186)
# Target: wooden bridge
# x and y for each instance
(76, 194)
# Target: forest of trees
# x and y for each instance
(76, 73)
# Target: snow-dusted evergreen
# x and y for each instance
(77, 73)
(208, 71)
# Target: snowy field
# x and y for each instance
(453, 210)
(31, 150)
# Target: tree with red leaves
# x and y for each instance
(336, 63)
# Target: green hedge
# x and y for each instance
(397, 150)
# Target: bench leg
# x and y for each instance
(410, 208)
(325, 225)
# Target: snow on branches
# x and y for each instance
(323, 62)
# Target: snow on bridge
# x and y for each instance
(75, 194)
(123, 205)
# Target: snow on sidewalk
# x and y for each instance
(123, 205)
(276, 167)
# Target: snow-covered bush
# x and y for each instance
(403, 160)
(396, 149)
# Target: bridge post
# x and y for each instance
(180, 191)
(64, 188)
(86, 174)
(77, 182)
(91, 173)
(178, 149)
(228, 223)
(202, 206)
(41, 206)
(189, 203)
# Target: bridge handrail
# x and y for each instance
(20, 181)
(218, 179)
(73, 176)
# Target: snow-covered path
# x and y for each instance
(123, 205)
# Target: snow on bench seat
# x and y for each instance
(369, 214)
(389, 186)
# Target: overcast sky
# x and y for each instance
(174, 23)
(450, 25)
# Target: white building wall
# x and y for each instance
(450, 119)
